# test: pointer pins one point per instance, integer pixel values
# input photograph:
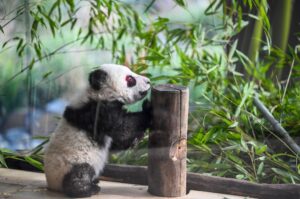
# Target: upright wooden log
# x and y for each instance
(167, 141)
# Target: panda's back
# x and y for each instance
(67, 147)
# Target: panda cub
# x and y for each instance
(92, 125)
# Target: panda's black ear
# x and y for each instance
(97, 78)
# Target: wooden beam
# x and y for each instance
(242, 187)
(125, 174)
(199, 182)
(167, 141)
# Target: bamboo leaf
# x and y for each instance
(138, 24)
(56, 4)
(30, 66)
(109, 7)
(181, 2)
(34, 162)
(21, 50)
(208, 9)
(19, 44)
(149, 5)
(152, 58)
(2, 160)
(244, 145)
(71, 5)
(66, 22)
(1, 29)
(213, 8)
(37, 50)
(240, 176)
(232, 50)
(5, 43)
(260, 168)
(284, 173)
(46, 75)
(38, 148)
(121, 33)
(73, 23)
(260, 150)
(7, 152)
(247, 92)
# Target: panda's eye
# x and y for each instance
(130, 81)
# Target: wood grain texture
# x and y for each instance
(167, 141)
(199, 182)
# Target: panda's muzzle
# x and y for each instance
(143, 93)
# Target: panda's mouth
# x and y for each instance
(143, 93)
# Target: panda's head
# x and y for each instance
(116, 82)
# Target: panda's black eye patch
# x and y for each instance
(97, 78)
(131, 81)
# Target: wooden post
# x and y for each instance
(167, 141)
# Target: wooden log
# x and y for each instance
(242, 187)
(199, 182)
(167, 141)
(125, 174)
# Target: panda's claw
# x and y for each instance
(96, 181)
(95, 189)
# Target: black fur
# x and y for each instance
(78, 182)
(112, 120)
(96, 79)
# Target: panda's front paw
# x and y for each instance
(147, 107)
(147, 110)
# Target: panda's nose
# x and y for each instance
(147, 81)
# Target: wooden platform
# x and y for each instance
(16, 184)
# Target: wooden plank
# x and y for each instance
(33, 186)
(167, 141)
(138, 175)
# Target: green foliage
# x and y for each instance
(227, 135)
(33, 157)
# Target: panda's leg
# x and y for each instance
(79, 181)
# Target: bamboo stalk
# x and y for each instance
(281, 18)
(27, 59)
(276, 125)
(256, 34)
(283, 22)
